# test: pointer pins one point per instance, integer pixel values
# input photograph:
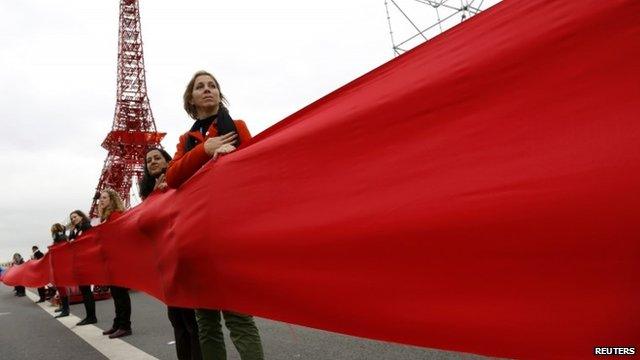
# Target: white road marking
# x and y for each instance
(4, 313)
(114, 349)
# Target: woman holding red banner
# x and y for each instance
(110, 207)
(19, 289)
(213, 133)
(183, 320)
(59, 236)
(80, 223)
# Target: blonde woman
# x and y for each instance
(110, 207)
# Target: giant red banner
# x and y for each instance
(480, 193)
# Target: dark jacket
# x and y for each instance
(79, 230)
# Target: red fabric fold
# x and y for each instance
(476, 194)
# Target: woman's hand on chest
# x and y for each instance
(214, 143)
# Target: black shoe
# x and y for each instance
(57, 310)
(21, 295)
(62, 314)
(87, 321)
(110, 331)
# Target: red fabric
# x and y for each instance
(478, 194)
(183, 165)
(113, 215)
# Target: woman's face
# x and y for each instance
(156, 163)
(104, 200)
(75, 219)
(205, 94)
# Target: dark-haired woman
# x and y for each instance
(79, 224)
(59, 236)
(183, 320)
(213, 133)
(111, 207)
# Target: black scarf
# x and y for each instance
(224, 124)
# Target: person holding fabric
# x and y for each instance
(37, 255)
(19, 289)
(110, 207)
(183, 320)
(79, 223)
(59, 235)
(213, 133)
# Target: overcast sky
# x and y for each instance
(58, 82)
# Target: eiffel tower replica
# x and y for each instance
(133, 130)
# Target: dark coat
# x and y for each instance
(38, 255)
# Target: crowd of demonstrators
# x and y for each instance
(198, 332)
(110, 207)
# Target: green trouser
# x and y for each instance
(243, 331)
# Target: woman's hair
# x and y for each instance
(188, 94)
(115, 203)
(58, 233)
(83, 216)
(56, 228)
(148, 182)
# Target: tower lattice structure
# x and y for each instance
(133, 130)
(412, 22)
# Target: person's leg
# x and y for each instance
(210, 334)
(64, 303)
(42, 294)
(22, 291)
(126, 310)
(116, 295)
(191, 325)
(123, 307)
(62, 292)
(244, 335)
(180, 333)
(89, 302)
(122, 321)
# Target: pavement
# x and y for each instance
(28, 331)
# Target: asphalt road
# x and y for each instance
(28, 332)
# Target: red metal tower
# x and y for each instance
(134, 129)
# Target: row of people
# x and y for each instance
(198, 332)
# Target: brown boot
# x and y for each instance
(120, 333)
(110, 331)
